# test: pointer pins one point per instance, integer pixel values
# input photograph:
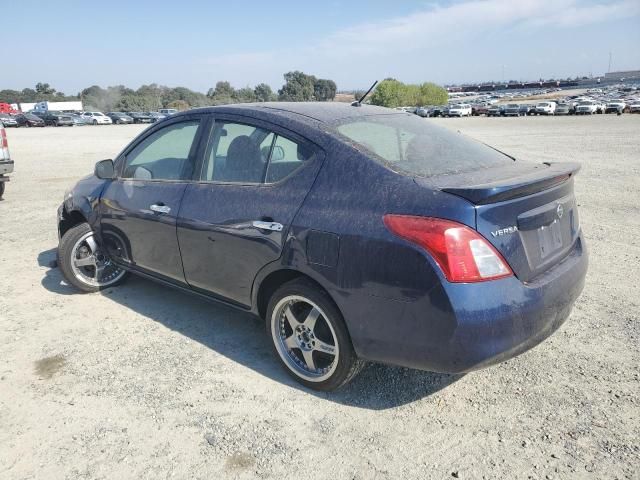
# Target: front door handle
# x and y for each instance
(262, 225)
(160, 208)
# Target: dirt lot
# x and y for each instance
(144, 382)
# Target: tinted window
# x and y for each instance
(241, 153)
(408, 144)
(286, 157)
(164, 155)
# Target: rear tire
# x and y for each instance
(310, 338)
(82, 262)
(2, 188)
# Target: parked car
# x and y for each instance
(563, 109)
(155, 116)
(615, 106)
(495, 111)
(634, 106)
(139, 117)
(588, 108)
(78, 120)
(545, 108)
(437, 111)
(120, 118)
(96, 118)
(512, 110)
(168, 111)
(29, 120)
(6, 164)
(423, 112)
(474, 256)
(57, 119)
(8, 120)
(526, 109)
(480, 109)
(460, 110)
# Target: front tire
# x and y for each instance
(310, 337)
(83, 263)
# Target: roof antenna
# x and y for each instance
(358, 103)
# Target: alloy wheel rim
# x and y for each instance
(304, 338)
(91, 266)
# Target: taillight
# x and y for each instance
(462, 253)
(3, 139)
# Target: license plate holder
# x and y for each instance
(549, 238)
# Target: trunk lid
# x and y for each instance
(528, 212)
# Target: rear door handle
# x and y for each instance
(262, 225)
(160, 208)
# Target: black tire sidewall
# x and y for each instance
(348, 362)
(65, 252)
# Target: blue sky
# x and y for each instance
(194, 43)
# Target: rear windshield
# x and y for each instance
(410, 145)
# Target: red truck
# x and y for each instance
(7, 108)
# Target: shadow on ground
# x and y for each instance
(241, 337)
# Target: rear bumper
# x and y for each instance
(462, 327)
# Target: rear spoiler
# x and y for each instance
(523, 183)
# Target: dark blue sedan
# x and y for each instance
(358, 233)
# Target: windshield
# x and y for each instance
(31, 116)
(407, 144)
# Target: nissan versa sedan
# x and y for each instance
(357, 233)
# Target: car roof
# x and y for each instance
(326, 112)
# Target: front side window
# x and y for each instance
(241, 153)
(164, 155)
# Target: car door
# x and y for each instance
(234, 220)
(138, 210)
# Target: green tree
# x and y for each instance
(392, 93)
(431, 94)
(44, 89)
(263, 93)
(222, 94)
(388, 93)
(298, 87)
(245, 95)
(324, 90)
(178, 105)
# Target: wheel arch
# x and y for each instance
(274, 280)
(70, 220)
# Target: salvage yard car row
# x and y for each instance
(584, 106)
(616, 99)
(70, 119)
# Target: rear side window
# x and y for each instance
(246, 154)
(409, 145)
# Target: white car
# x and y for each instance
(96, 118)
(546, 108)
(589, 108)
(615, 106)
(634, 106)
(460, 110)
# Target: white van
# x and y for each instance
(546, 108)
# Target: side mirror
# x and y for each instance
(105, 170)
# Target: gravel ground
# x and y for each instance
(145, 382)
